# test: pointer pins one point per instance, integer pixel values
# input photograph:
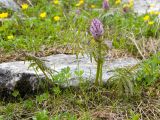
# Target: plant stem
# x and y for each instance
(101, 62)
(99, 66)
(98, 73)
(100, 77)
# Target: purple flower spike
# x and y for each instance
(105, 5)
(78, 12)
(96, 28)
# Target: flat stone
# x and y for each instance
(18, 72)
(10, 4)
(144, 6)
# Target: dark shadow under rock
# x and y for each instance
(26, 83)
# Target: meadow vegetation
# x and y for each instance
(63, 26)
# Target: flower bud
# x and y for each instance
(78, 12)
(96, 28)
(125, 8)
(105, 5)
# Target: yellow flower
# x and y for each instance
(128, 5)
(118, 1)
(77, 5)
(56, 2)
(80, 3)
(4, 15)
(43, 14)
(151, 5)
(151, 12)
(146, 18)
(56, 18)
(93, 6)
(10, 37)
(131, 0)
(131, 3)
(156, 13)
(125, 5)
(150, 22)
(24, 6)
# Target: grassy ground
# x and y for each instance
(34, 33)
(48, 28)
(85, 103)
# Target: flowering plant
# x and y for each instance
(97, 31)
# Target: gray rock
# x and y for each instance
(13, 73)
(10, 4)
(143, 6)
